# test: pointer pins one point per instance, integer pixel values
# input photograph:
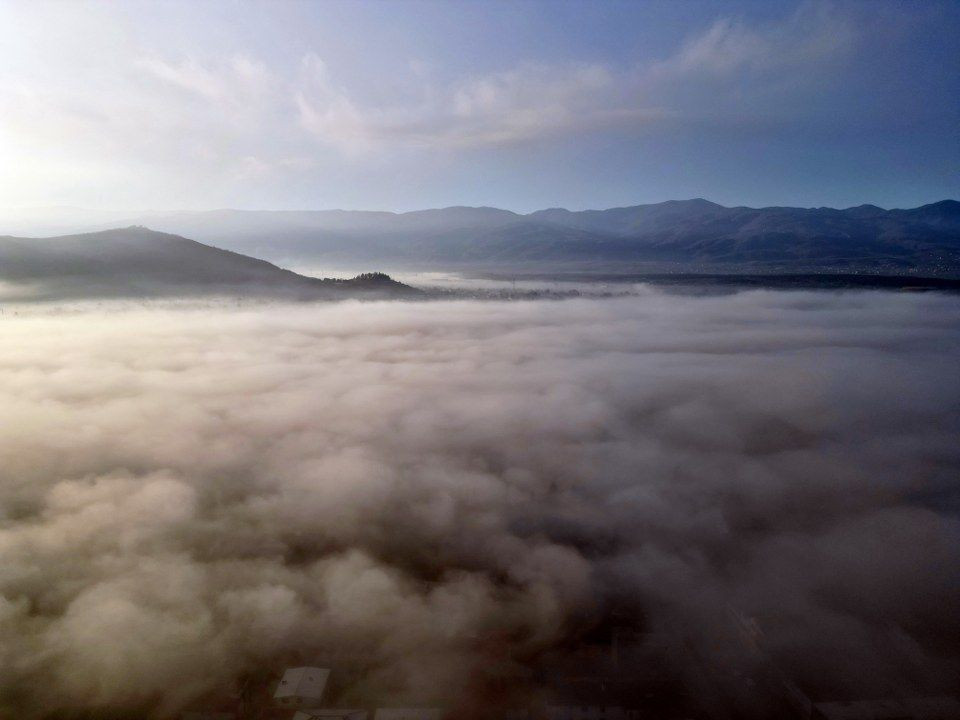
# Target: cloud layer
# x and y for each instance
(191, 496)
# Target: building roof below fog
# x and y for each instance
(305, 683)
(331, 714)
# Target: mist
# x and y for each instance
(444, 501)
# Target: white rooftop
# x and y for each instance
(303, 683)
(330, 714)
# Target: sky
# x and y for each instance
(521, 105)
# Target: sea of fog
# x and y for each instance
(443, 500)
(452, 281)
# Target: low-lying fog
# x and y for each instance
(443, 500)
(458, 281)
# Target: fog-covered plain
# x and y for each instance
(189, 495)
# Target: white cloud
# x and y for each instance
(535, 101)
(796, 48)
(111, 120)
(327, 111)
(525, 103)
(192, 495)
(232, 80)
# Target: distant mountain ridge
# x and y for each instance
(138, 262)
(688, 235)
(683, 232)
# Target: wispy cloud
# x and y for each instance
(535, 101)
(228, 109)
(524, 103)
(811, 38)
(231, 79)
(146, 120)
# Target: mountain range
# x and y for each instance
(684, 233)
(690, 236)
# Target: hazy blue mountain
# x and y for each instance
(633, 221)
(688, 234)
(685, 232)
(136, 262)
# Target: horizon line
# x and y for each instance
(132, 213)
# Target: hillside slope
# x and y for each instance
(138, 262)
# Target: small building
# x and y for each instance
(301, 686)
(330, 714)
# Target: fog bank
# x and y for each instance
(439, 500)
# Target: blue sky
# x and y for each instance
(523, 105)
